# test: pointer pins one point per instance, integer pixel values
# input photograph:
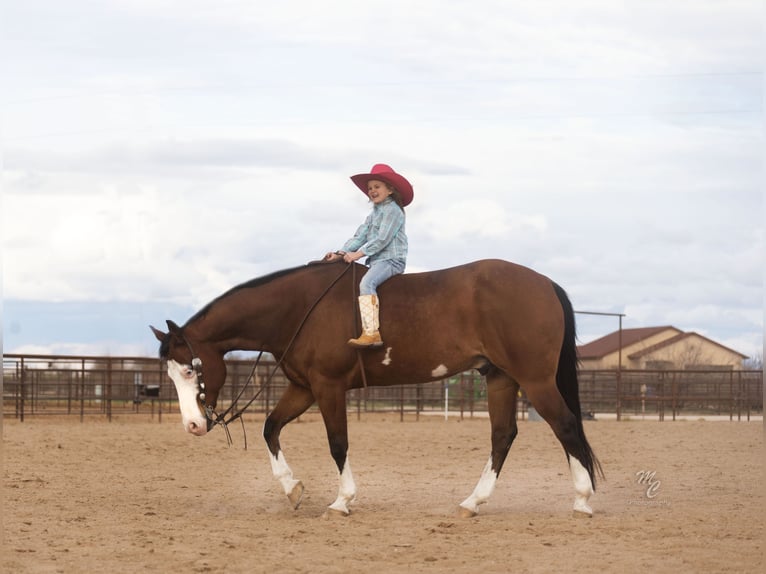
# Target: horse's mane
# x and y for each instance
(248, 285)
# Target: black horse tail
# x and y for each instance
(568, 385)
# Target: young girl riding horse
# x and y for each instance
(382, 239)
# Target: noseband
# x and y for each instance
(211, 416)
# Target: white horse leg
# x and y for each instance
(486, 485)
(346, 491)
(293, 488)
(583, 488)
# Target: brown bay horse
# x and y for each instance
(513, 324)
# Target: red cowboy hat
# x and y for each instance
(383, 172)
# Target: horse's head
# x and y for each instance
(198, 372)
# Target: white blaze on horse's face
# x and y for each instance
(185, 380)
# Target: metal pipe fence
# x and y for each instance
(39, 385)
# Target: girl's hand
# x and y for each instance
(353, 256)
(332, 256)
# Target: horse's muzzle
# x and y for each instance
(197, 428)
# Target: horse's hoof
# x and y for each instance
(581, 508)
(331, 513)
(296, 495)
(582, 514)
(464, 512)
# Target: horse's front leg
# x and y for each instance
(346, 492)
(293, 488)
(294, 401)
(332, 405)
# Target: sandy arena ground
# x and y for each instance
(132, 496)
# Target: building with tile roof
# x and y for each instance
(663, 347)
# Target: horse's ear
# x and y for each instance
(159, 334)
(174, 329)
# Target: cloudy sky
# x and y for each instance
(157, 152)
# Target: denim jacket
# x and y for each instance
(382, 234)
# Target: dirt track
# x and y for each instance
(137, 496)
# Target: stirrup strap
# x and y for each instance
(355, 306)
(361, 367)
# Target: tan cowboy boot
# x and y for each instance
(370, 312)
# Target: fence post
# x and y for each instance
(358, 404)
(82, 389)
(619, 395)
(472, 398)
(108, 392)
(70, 384)
(674, 393)
(418, 405)
(22, 389)
(446, 398)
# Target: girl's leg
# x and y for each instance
(379, 272)
(368, 302)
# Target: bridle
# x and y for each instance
(211, 416)
(196, 364)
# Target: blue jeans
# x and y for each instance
(378, 272)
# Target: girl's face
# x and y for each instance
(377, 191)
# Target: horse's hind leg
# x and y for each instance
(294, 401)
(501, 398)
(551, 406)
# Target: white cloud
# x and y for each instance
(471, 219)
(615, 147)
(102, 348)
